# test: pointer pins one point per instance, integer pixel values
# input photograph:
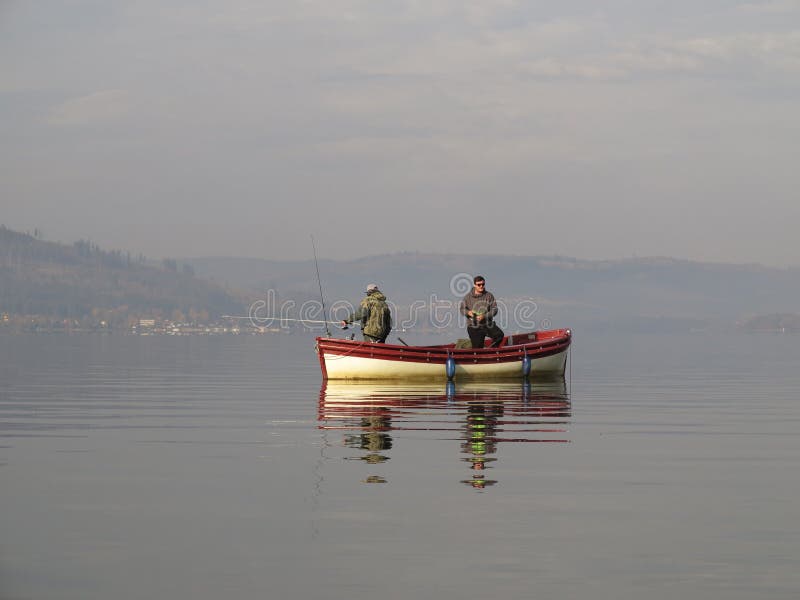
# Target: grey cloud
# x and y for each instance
(261, 121)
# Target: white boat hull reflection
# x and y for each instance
(372, 418)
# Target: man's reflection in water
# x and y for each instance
(374, 439)
(480, 433)
(482, 417)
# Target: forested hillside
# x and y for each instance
(81, 282)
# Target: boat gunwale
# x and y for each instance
(552, 344)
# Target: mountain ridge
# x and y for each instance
(569, 290)
(82, 281)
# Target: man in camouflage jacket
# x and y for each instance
(374, 314)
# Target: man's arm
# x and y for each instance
(358, 315)
(463, 308)
(491, 310)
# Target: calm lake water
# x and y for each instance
(665, 467)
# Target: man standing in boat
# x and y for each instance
(374, 314)
(480, 308)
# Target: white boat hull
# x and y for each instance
(354, 367)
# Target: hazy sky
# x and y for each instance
(240, 128)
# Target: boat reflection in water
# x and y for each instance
(372, 417)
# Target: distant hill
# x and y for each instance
(645, 294)
(82, 282)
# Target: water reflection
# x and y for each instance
(480, 417)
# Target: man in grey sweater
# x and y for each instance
(480, 308)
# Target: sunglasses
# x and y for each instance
(480, 283)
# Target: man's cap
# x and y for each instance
(372, 287)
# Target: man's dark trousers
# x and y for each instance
(477, 335)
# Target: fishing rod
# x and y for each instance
(319, 281)
(337, 323)
(267, 319)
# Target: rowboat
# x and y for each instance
(536, 354)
